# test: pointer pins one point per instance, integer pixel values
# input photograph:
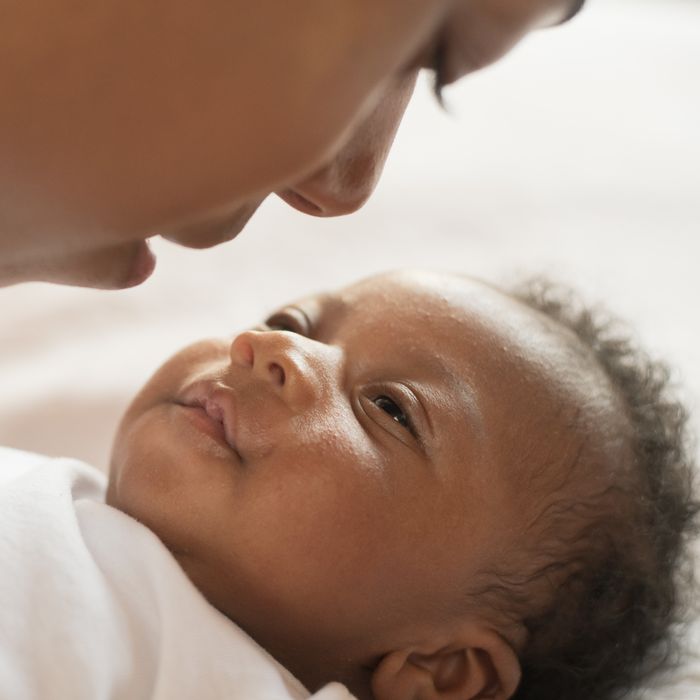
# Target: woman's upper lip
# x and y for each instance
(214, 231)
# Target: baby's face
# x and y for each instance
(333, 480)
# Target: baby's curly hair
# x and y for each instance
(610, 616)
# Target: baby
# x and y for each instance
(418, 486)
(422, 487)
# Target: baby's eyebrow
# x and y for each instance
(328, 302)
(463, 401)
(326, 307)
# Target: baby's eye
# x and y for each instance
(292, 320)
(390, 407)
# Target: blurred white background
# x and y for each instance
(577, 156)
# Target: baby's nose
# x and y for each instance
(286, 362)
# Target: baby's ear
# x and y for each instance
(484, 668)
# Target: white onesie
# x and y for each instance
(94, 607)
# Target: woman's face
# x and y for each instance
(133, 139)
(474, 35)
(341, 186)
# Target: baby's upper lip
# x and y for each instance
(217, 400)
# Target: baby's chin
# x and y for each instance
(135, 493)
(136, 481)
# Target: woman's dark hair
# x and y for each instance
(612, 617)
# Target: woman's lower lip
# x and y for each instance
(143, 265)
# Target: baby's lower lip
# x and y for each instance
(204, 423)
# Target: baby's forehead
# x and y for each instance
(522, 349)
(461, 301)
(473, 326)
(457, 316)
(415, 291)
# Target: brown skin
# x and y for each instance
(128, 120)
(336, 480)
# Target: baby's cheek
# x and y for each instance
(165, 482)
(310, 559)
(193, 362)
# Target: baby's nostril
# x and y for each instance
(277, 373)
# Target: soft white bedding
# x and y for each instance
(579, 156)
(94, 605)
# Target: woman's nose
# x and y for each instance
(346, 182)
(340, 188)
(290, 364)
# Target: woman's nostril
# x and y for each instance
(277, 373)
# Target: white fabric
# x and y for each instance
(93, 606)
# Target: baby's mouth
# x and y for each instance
(211, 412)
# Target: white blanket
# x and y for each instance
(95, 607)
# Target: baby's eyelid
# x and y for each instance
(415, 410)
(292, 319)
(371, 394)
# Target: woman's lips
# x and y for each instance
(213, 231)
(142, 265)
